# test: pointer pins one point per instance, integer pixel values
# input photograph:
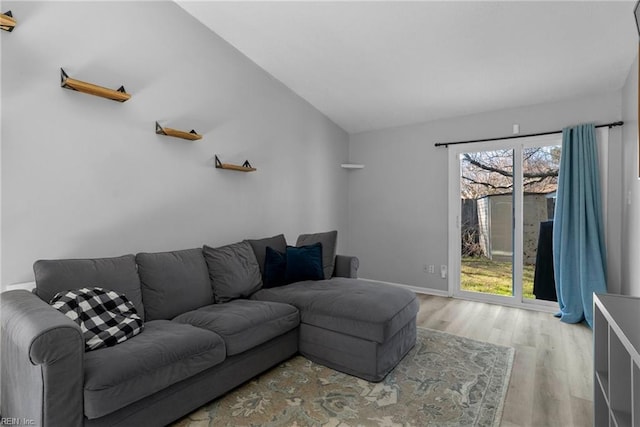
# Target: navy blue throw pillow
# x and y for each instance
(304, 263)
(275, 267)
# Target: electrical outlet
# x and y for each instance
(432, 269)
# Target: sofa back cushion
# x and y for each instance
(259, 247)
(328, 241)
(117, 274)
(173, 282)
(233, 270)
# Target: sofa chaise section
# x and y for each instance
(350, 325)
(354, 326)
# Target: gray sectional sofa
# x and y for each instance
(201, 337)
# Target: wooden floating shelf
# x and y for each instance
(351, 166)
(192, 136)
(246, 166)
(116, 95)
(7, 22)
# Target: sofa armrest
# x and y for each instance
(346, 266)
(42, 353)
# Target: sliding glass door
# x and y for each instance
(486, 226)
(501, 199)
(540, 165)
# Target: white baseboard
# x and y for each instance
(416, 289)
(548, 308)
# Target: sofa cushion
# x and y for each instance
(117, 274)
(173, 282)
(105, 317)
(304, 263)
(328, 241)
(259, 247)
(350, 306)
(164, 353)
(233, 271)
(244, 324)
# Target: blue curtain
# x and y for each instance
(578, 238)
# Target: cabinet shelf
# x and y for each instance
(7, 22)
(67, 82)
(246, 166)
(191, 136)
(616, 360)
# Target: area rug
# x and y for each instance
(445, 380)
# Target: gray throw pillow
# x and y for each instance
(259, 247)
(328, 240)
(233, 270)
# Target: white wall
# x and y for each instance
(87, 177)
(398, 202)
(631, 187)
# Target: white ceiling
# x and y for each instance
(372, 65)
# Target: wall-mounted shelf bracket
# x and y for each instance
(67, 82)
(7, 22)
(246, 166)
(192, 136)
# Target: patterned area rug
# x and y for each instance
(445, 380)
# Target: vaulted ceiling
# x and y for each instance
(372, 65)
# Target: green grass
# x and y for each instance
(493, 277)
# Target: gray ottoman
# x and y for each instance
(357, 327)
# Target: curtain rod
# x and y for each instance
(446, 144)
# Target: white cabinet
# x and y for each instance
(616, 382)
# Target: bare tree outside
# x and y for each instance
(491, 172)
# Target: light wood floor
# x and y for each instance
(551, 381)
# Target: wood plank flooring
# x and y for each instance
(551, 380)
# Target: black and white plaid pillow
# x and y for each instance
(105, 317)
